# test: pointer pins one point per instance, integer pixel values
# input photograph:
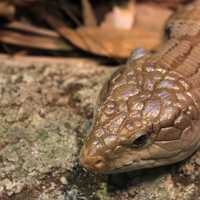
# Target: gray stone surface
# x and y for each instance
(43, 106)
(45, 112)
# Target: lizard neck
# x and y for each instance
(181, 53)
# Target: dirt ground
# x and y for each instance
(46, 110)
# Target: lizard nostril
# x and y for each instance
(99, 162)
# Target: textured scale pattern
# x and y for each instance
(148, 112)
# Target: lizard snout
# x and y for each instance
(94, 163)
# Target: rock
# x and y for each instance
(42, 111)
(198, 161)
(45, 113)
(63, 180)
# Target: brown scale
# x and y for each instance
(177, 54)
(191, 64)
(167, 48)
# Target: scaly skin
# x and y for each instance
(148, 112)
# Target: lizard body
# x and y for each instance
(148, 112)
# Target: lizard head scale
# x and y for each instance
(143, 119)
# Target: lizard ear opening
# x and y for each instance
(140, 141)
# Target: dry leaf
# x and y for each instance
(7, 9)
(22, 26)
(121, 17)
(152, 17)
(109, 42)
(32, 41)
(168, 3)
(116, 38)
(26, 2)
(88, 14)
(117, 43)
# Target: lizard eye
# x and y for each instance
(140, 141)
(168, 32)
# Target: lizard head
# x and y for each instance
(142, 120)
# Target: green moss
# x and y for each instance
(87, 125)
(102, 193)
(43, 135)
(163, 193)
(3, 130)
